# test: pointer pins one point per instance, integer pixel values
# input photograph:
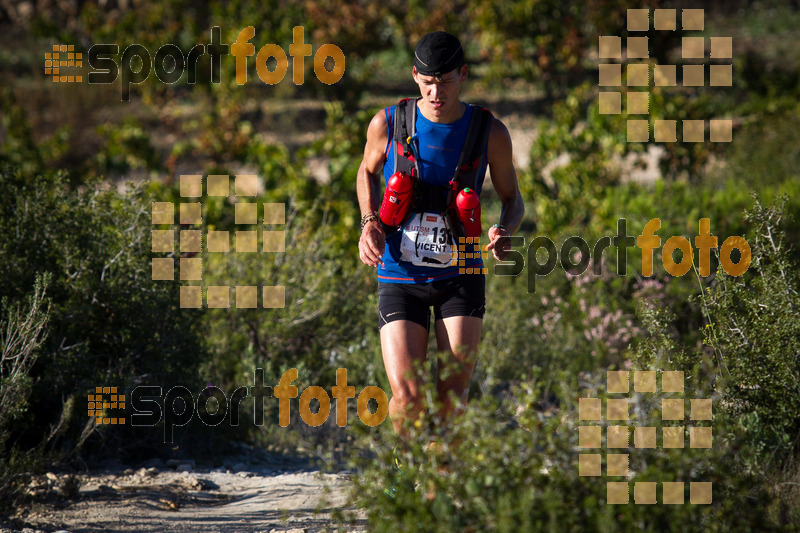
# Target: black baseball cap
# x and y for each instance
(438, 53)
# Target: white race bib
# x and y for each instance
(426, 241)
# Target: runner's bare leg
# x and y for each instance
(459, 337)
(403, 342)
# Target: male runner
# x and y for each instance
(408, 288)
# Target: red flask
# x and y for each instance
(397, 199)
(468, 207)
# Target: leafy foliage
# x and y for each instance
(516, 467)
(755, 334)
(109, 322)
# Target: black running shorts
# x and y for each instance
(463, 295)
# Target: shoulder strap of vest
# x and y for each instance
(404, 127)
(466, 172)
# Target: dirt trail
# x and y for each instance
(178, 497)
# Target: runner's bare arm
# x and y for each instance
(504, 179)
(371, 243)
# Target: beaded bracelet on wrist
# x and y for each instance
(369, 217)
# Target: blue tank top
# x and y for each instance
(439, 147)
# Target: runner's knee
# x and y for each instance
(406, 398)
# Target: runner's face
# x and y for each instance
(440, 95)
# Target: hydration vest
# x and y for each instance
(440, 198)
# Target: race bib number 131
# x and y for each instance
(426, 241)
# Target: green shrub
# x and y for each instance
(22, 331)
(754, 332)
(324, 317)
(21, 334)
(110, 323)
(750, 358)
(516, 469)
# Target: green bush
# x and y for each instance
(110, 323)
(754, 332)
(516, 469)
(751, 356)
(22, 331)
(325, 298)
(21, 334)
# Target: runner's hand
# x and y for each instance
(371, 244)
(499, 243)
